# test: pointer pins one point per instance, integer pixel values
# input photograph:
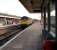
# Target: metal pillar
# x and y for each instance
(44, 18)
(48, 17)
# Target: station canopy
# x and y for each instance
(32, 5)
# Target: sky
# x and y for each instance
(14, 7)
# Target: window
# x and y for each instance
(2, 21)
(52, 16)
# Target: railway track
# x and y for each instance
(11, 32)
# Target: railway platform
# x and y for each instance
(28, 39)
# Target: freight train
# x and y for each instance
(9, 24)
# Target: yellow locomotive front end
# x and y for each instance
(25, 22)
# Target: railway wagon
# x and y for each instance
(8, 24)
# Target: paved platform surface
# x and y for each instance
(30, 39)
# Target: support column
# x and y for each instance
(44, 18)
(49, 17)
